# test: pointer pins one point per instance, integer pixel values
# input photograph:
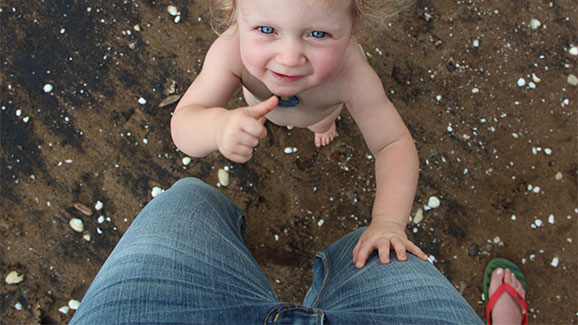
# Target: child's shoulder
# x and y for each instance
(225, 50)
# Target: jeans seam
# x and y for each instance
(326, 270)
(292, 307)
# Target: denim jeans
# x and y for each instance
(183, 260)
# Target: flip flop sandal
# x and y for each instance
(504, 287)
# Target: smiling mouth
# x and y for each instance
(285, 78)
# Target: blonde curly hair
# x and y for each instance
(368, 15)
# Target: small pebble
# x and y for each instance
(156, 191)
(73, 304)
(535, 78)
(100, 219)
(551, 219)
(64, 309)
(48, 88)
(186, 160)
(433, 202)
(173, 11)
(538, 223)
(558, 176)
(573, 50)
(142, 101)
(18, 306)
(473, 250)
(418, 216)
(535, 24)
(572, 80)
(98, 206)
(320, 222)
(431, 259)
(86, 237)
(555, 262)
(76, 224)
(223, 176)
(521, 82)
(14, 278)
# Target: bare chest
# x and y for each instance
(303, 110)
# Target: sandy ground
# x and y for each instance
(500, 157)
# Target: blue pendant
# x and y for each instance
(287, 101)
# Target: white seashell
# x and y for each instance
(223, 176)
(573, 50)
(76, 224)
(186, 160)
(73, 304)
(173, 11)
(86, 237)
(433, 202)
(48, 88)
(156, 191)
(555, 261)
(572, 79)
(14, 278)
(521, 82)
(142, 101)
(64, 309)
(535, 23)
(418, 216)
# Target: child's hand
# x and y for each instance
(242, 129)
(384, 236)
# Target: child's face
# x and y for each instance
(293, 45)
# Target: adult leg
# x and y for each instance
(182, 260)
(413, 291)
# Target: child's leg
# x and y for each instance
(413, 291)
(325, 129)
(182, 260)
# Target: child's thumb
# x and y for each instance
(260, 110)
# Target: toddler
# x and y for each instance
(298, 63)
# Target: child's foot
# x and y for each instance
(325, 138)
(507, 310)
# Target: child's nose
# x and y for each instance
(291, 54)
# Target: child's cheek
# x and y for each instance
(254, 58)
(327, 63)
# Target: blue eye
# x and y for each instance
(318, 34)
(266, 29)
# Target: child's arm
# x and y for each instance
(201, 125)
(397, 169)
